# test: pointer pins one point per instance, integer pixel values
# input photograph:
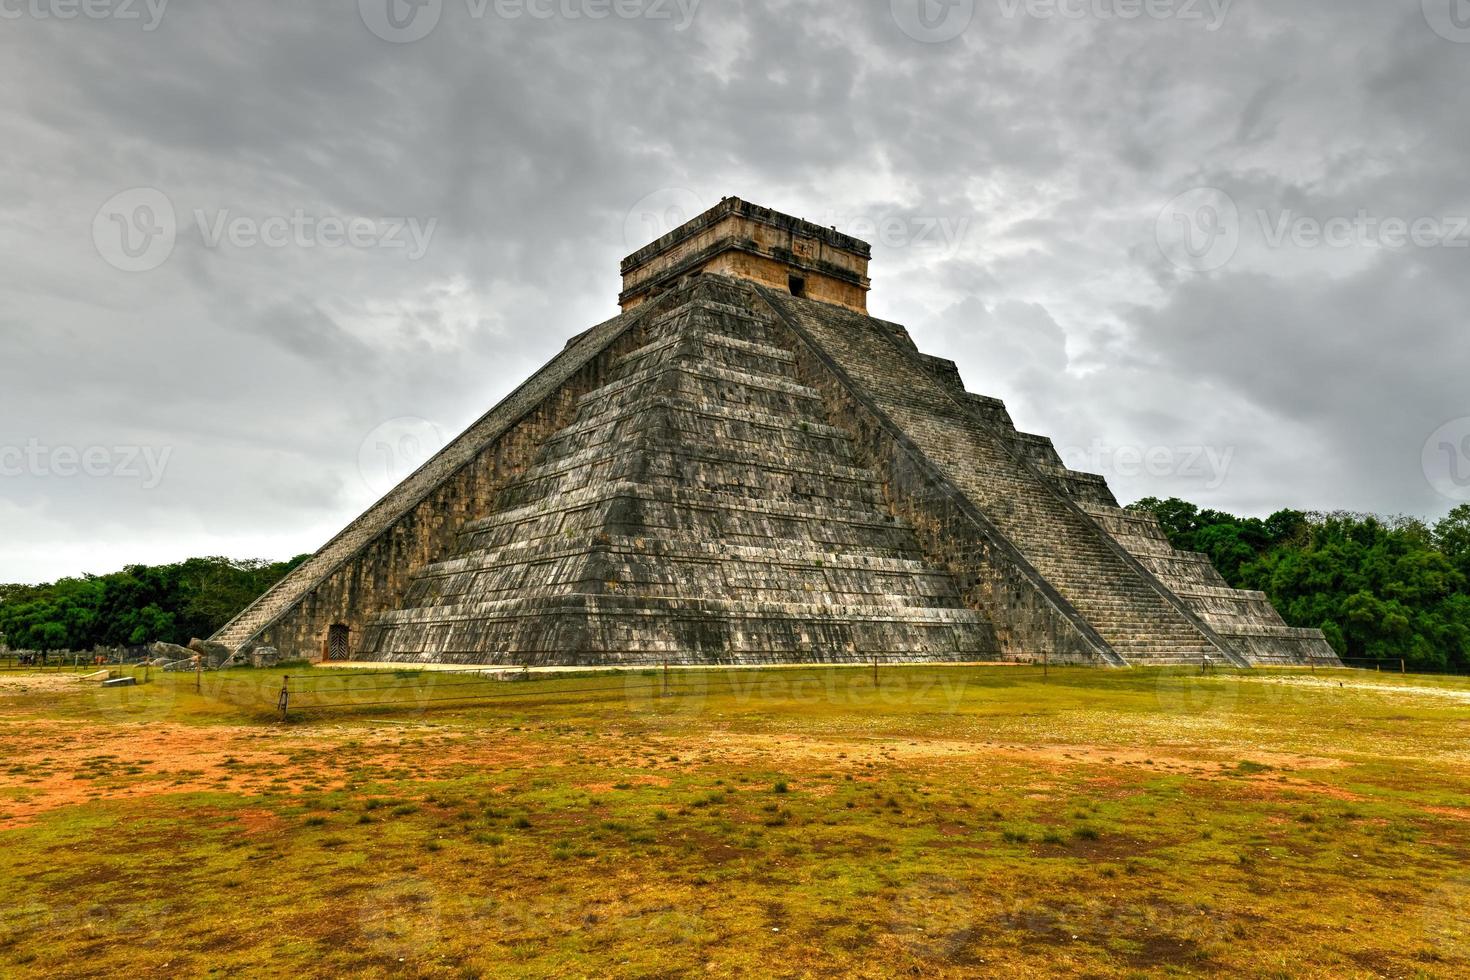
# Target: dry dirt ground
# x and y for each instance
(946, 822)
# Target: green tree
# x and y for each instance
(137, 605)
(1384, 588)
(1452, 536)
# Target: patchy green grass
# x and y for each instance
(949, 822)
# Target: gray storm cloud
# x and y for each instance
(201, 203)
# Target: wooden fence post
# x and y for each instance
(284, 702)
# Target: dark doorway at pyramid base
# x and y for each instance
(337, 644)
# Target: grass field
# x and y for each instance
(948, 822)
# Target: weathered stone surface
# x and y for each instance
(264, 657)
(731, 473)
(745, 241)
(214, 653)
(169, 651)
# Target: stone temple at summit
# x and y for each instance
(743, 466)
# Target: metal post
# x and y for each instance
(284, 702)
(666, 676)
(1045, 664)
(198, 673)
(875, 670)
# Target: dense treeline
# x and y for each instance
(1381, 588)
(139, 604)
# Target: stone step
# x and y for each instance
(711, 410)
(693, 607)
(705, 372)
(687, 546)
(705, 336)
(769, 462)
(687, 497)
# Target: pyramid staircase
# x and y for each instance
(1134, 615)
(1246, 620)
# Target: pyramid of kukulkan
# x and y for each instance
(745, 467)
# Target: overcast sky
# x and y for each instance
(260, 256)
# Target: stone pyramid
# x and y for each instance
(744, 467)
